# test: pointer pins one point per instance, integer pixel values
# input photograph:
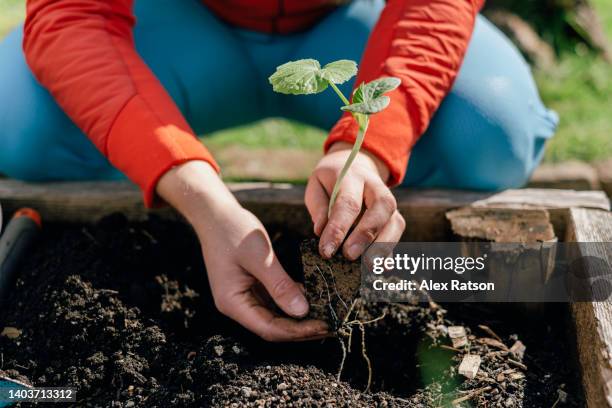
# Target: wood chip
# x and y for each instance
(493, 343)
(444, 346)
(459, 342)
(456, 332)
(10, 332)
(518, 349)
(489, 331)
(518, 364)
(469, 365)
(458, 336)
(516, 376)
(471, 395)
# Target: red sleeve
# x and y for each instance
(83, 52)
(422, 42)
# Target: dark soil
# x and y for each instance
(123, 313)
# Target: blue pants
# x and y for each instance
(489, 132)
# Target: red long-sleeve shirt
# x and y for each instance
(83, 52)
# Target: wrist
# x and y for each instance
(381, 167)
(196, 191)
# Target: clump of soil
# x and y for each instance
(122, 311)
(331, 285)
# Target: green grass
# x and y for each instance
(269, 133)
(604, 11)
(579, 89)
(12, 13)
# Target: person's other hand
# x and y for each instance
(363, 185)
(245, 276)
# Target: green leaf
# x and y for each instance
(370, 107)
(339, 71)
(300, 77)
(369, 98)
(306, 76)
(374, 89)
(383, 85)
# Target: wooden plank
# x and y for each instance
(424, 210)
(593, 320)
(546, 198)
(573, 175)
(532, 226)
(502, 224)
(604, 172)
(555, 201)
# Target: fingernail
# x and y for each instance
(298, 306)
(354, 251)
(328, 250)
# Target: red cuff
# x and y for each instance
(145, 149)
(389, 137)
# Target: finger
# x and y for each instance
(381, 207)
(317, 202)
(393, 231)
(386, 241)
(262, 296)
(285, 292)
(256, 318)
(345, 211)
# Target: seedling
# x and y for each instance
(306, 77)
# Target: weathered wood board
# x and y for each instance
(573, 175)
(424, 210)
(604, 172)
(593, 320)
(502, 224)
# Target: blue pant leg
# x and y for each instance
(489, 132)
(198, 59)
(37, 140)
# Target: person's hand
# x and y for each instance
(244, 274)
(364, 184)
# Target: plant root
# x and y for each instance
(346, 332)
(344, 328)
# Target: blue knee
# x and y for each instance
(483, 153)
(38, 141)
(489, 132)
(490, 147)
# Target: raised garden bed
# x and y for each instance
(114, 301)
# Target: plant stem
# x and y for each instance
(363, 127)
(363, 121)
(339, 93)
